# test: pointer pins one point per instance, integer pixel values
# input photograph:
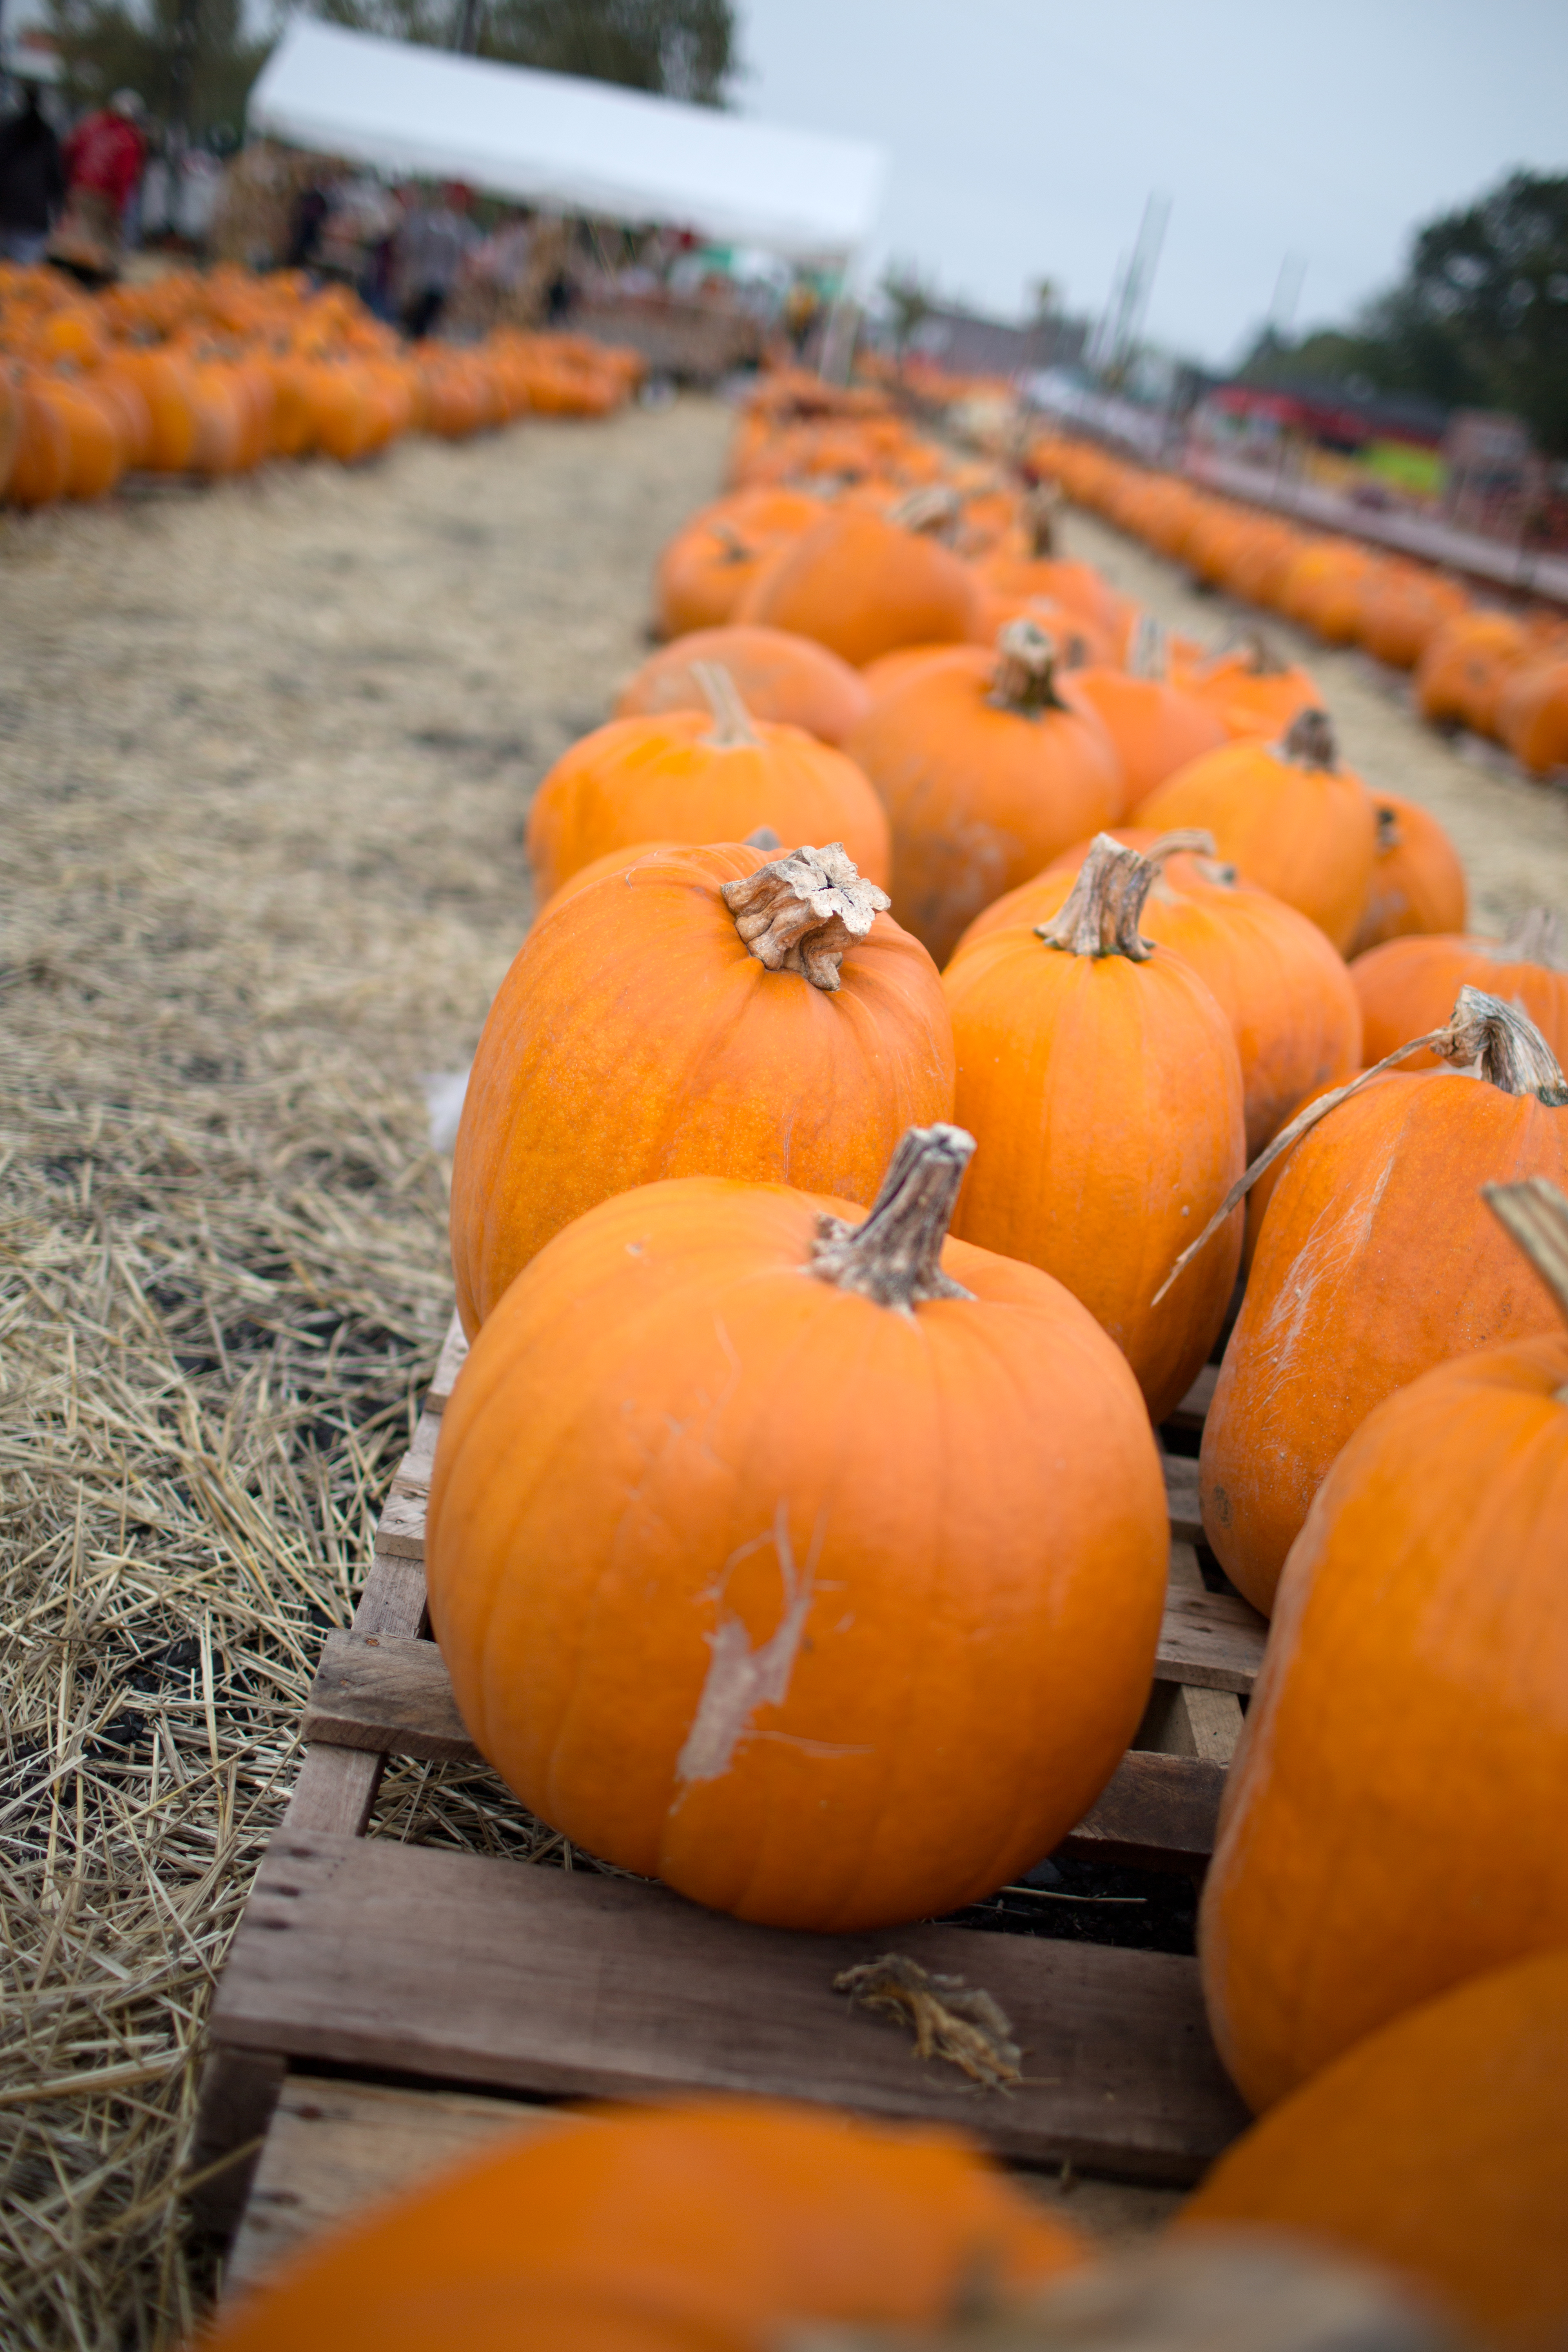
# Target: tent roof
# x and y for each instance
(585, 146)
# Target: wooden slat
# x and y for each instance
(1182, 1496)
(1182, 1719)
(1157, 1812)
(474, 1970)
(1193, 1411)
(453, 1355)
(1211, 1638)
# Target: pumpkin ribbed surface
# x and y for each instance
(1407, 986)
(863, 586)
(777, 676)
(1417, 882)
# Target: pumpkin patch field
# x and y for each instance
(785, 1350)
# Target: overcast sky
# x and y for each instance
(1024, 136)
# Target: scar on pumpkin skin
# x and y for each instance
(741, 1679)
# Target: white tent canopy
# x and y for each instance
(584, 146)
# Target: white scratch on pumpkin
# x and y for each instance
(741, 1679)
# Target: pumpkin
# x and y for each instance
(1156, 726)
(647, 2229)
(1101, 1080)
(1376, 1260)
(1466, 665)
(1532, 715)
(1286, 994)
(777, 677)
(41, 458)
(862, 586)
(1078, 587)
(795, 1557)
(988, 763)
(1393, 1822)
(1405, 985)
(1252, 688)
(1321, 587)
(703, 1011)
(97, 457)
(1287, 816)
(702, 777)
(887, 669)
(1400, 609)
(709, 565)
(163, 380)
(1437, 2145)
(1417, 881)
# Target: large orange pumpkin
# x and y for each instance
(97, 447)
(710, 562)
(1286, 994)
(1407, 985)
(1155, 725)
(164, 379)
(660, 2229)
(1101, 1080)
(777, 676)
(1287, 816)
(1376, 1260)
(862, 586)
(41, 458)
(792, 1557)
(711, 1012)
(1417, 880)
(1533, 714)
(1466, 665)
(1255, 691)
(1393, 1819)
(988, 764)
(702, 777)
(1439, 2145)
(1400, 609)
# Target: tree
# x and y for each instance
(1479, 319)
(110, 44)
(675, 49)
(908, 299)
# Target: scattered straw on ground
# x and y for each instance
(265, 754)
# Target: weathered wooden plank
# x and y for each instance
(1210, 1638)
(413, 1473)
(583, 1984)
(337, 2146)
(1158, 1811)
(1184, 1721)
(1182, 1496)
(335, 1791)
(400, 1530)
(1193, 1411)
(453, 1355)
(239, 2090)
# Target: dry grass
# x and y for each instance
(241, 917)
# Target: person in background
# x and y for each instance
(432, 245)
(32, 181)
(306, 222)
(103, 160)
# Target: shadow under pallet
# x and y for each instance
(386, 2006)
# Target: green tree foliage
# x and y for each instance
(677, 48)
(1479, 320)
(110, 44)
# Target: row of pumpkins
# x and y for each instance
(900, 1015)
(1501, 674)
(212, 374)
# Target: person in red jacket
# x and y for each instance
(103, 159)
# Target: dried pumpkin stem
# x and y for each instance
(1389, 836)
(732, 727)
(804, 912)
(949, 2019)
(1188, 840)
(1024, 680)
(1310, 741)
(1535, 937)
(933, 510)
(1535, 1215)
(1041, 508)
(1508, 1050)
(895, 1255)
(1100, 916)
(1148, 655)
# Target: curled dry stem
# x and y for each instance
(1024, 680)
(1507, 1050)
(1100, 915)
(732, 727)
(804, 912)
(949, 2020)
(1310, 742)
(895, 1255)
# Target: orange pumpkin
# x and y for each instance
(1532, 715)
(1376, 1262)
(1392, 1822)
(163, 380)
(1400, 609)
(710, 1012)
(703, 778)
(1287, 816)
(1467, 664)
(711, 560)
(1253, 690)
(988, 764)
(1101, 1080)
(1407, 985)
(645, 2229)
(41, 458)
(97, 457)
(863, 586)
(777, 676)
(750, 1566)
(1155, 725)
(1321, 587)
(1417, 881)
(1439, 2145)
(889, 669)
(1286, 994)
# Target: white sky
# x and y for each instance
(1026, 134)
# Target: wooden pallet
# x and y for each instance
(455, 1989)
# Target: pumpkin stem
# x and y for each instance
(933, 510)
(1310, 741)
(764, 838)
(735, 548)
(804, 912)
(1024, 680)
(1388, 833)
(1188, 840)
(1534, 1214)
(1262, 661)
(1535, 937)
(733, 730)
(1100, 915)
(895, 1255)
(1147, 656)
(1041, 508)
(1513, 1056)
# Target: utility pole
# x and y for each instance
(1137, 284)
(1287, 295)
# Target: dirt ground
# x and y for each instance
(265, 757)
(1511, 834)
